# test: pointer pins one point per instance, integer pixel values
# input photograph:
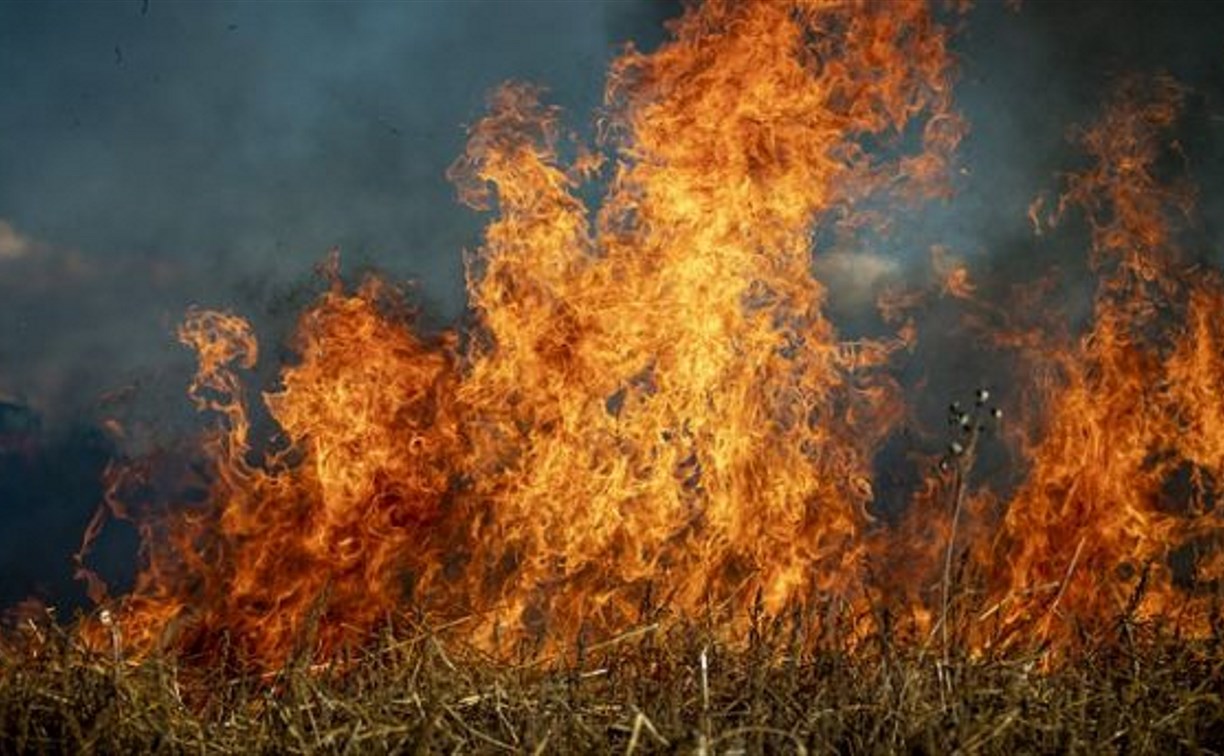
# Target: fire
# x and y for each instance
(661, 405)
(1123, 477)
(651, 408)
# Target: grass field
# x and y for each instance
(666, 688)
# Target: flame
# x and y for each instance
(650, 404)
(954, 274)
(1123, 477)
(662, 404)
(651, 409)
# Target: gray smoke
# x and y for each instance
(153, 157)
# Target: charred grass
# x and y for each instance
(662, 688)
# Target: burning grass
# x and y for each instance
(662, 687)
(649, 402)
(650, 408)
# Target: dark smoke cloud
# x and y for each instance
(213, 152)
(157, 155)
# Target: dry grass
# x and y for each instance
(661, 689)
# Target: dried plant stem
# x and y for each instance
(1153, 695)
(1062, 586)
(960, 484)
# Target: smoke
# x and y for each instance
(12, 244)
(1028, 77)
(157, 155)
(213, 152)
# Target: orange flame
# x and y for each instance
(1126, 466)
(651, 409)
